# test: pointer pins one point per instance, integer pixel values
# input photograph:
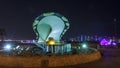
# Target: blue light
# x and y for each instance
(7, 47)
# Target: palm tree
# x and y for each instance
(2, 34)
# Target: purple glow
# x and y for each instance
(103, 42)
(114, 43)
(107, 42)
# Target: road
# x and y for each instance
(110, 59)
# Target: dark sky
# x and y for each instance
(90, 17)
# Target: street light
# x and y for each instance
(84, 46)
(7, 47)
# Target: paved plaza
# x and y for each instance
(110, 59)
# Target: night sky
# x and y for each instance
(89, 17)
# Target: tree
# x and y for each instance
(2, 34)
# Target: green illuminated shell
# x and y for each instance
(50, 25)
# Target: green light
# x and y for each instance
(64, 18)
(48, 14)
(84, 46)
(78, 47)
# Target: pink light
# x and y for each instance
(103, 42)
(107, 42)
(114, 43)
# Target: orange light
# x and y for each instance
(51, 42)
